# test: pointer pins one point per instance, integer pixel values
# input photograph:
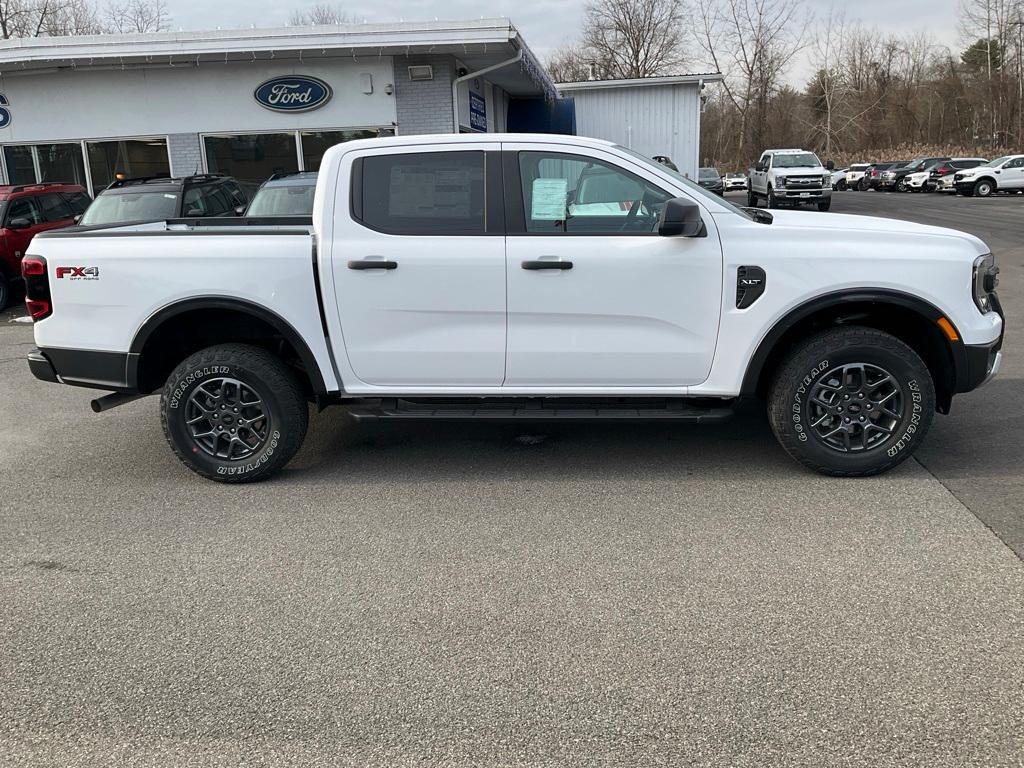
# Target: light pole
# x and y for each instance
(1019, 23)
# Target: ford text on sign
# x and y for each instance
(298, 93)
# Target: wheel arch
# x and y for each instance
(907, 317)
(236, 320)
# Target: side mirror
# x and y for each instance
(830, 165)
(240, 210)
(760, 167)
(19, 223)
(680, 217)
(78, 218)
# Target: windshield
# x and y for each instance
(708, 174)
(801, 160)
(283, 201)
(995, 163)
(695, 189)
(116, 207)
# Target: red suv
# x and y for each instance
(29, 208)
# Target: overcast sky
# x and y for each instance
(547, 24)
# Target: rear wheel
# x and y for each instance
(851, 402)
(5, 291)
(984, 188)
(234, 413)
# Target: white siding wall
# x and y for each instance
(85, 104)
(653, 120)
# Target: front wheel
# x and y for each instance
(901, 185)
(772, 200)
(751, 199)
(824, 204)
(234, 413)
(5, 291)
(851, 402)
(984, 188)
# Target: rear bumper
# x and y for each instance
(111, 371)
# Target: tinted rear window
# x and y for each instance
(424, 193)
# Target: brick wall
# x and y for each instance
(424, 106)
(185, 152)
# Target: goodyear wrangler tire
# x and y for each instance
(234, 413)
(851, 402)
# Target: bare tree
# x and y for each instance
(318, 13)
(636, 38)
(138, 16)
(573, 63)
(26, 18)
(74, 17)
(752, 42)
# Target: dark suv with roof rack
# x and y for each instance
(156, 198)
(26, 209)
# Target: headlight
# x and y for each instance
(780, 181)
(985, 281)
(827, 179)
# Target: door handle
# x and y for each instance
(542, 264)
(372, 264)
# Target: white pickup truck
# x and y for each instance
(520, 277)
(793, 176)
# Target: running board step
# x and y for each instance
(547, 409)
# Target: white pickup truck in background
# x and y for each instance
(793, 176)
(519, 277)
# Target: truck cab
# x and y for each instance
(791, 176)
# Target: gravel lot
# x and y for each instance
(592, 595)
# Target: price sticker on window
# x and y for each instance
(549, 199)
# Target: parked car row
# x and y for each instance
(27, 209)
(968, 176)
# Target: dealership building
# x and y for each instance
(250, 103)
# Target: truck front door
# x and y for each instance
(596, 298)
(418, 263)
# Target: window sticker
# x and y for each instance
(549, 199)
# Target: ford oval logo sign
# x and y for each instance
(298, 93)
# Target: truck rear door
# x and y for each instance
(418, 264)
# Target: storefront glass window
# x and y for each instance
(20, 168)
(315, 143)
(251, 158)
(131, 158)
(61, 162)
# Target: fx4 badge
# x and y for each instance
(78, 273)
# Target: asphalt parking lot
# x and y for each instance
(590, 595)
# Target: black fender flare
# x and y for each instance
(880, 296)
(275, 321)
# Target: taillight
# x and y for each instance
(37, 287)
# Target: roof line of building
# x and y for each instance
(697, 77)
(368, 36)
